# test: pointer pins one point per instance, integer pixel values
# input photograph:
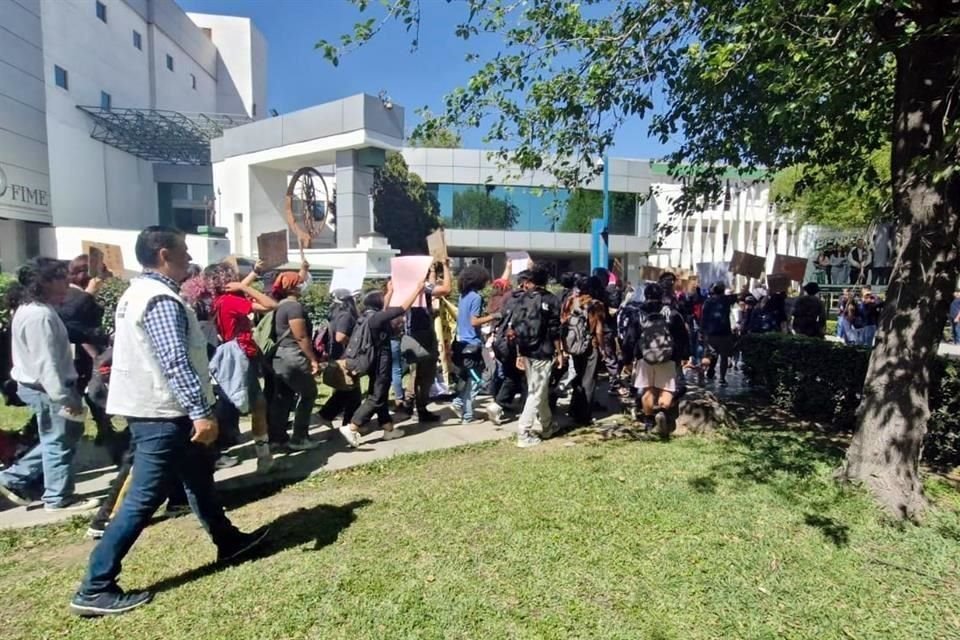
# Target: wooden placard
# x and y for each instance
(437, 246)
(272, 249)
(778, 282)
(747, 264)
(794, 267)
(102, 255)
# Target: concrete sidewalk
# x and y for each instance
(96, 471)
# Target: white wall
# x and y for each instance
(24, 172)
(241, 68)
(173, 88)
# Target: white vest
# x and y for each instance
(138, 387)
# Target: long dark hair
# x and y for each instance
(473, 278)
(32, 277)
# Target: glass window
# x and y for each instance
(200, 191)
(102, 11)
(138, 40)
(193, 82)
(105, 100)
(517, 208)
(179, 191)
(60, 77)
(170, 62)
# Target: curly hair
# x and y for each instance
(473, 278)
(218, 276)
(32, 277)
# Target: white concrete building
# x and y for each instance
(103, 104)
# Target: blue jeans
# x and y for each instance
(164, 455)
(869, 333)
(469, 389)
(956, 333)
(51, 461)
(396, 380)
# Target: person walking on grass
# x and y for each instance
(717, 332)
(368, 354)
(535, 325)
(662, 332)
(46, 382)
(160, 383)
(468, 349)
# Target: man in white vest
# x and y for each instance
(160, 382)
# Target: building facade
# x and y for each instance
(97, 100)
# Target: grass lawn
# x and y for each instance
(740, 538)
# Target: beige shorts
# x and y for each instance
(661, 376)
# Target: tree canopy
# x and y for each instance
(475, 209)
(439, 137)
(586, 204)
(403, 209)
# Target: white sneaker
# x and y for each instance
(393, 434)
(73, 505)
(304, 444)
(495, 413)
(352, 437)
(525, 442)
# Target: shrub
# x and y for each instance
(107, 297)
(823, 380)
(6, 280)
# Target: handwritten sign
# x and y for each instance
(272, 249)
(437, 246)
(794, 267)
(103, 255)
(519, 261)
(406, 274)
(746, 264)
(349, 278)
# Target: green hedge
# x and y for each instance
(823, 381)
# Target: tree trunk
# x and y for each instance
(892, 418)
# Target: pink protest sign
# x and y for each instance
(406, 274)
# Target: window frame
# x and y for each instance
(101, 11)
(137, 40)
(57, 71)
(169, 61)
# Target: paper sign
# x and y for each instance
(406, 274)
(794, 267)
(778, 282)
(710, 273)
(349, 278)
(650, 274)
(519, 261)
(106, 255)
(747, 264)
(272, 249)
(437, 245)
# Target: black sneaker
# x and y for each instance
(427, 416)
(243, 544)
(108, 604)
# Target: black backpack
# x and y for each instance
(360, 349)
(628, 328)
(656, 341)
(526, 320)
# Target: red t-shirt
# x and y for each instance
(231, 312)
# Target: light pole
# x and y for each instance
(600, 228)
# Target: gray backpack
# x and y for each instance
(577, 338)
(656, 341)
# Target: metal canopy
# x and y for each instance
(161, 136)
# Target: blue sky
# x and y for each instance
(300, 77)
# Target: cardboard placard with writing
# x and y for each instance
(746, 264)
(778, 282)
(272, 249)
(103, 255)
(794, 267)
(437, 246)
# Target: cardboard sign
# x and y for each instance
(406, 274)
(437, 246)
(778, 282)
(650, 274)
(272, 249)
(747, 264)
(794, 267)
(103, 255)
(710, 273)
(349, 278)
(231, 261)
(519, 261)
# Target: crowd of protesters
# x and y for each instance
(194, 349)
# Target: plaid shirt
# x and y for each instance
(165, 322)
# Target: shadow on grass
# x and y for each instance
(321, 525)
(831, 528)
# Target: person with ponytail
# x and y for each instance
(46, 381)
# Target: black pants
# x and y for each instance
(514, 382)
(377, 401)
(610, 360)
(584, 385)
(345, 402)
(425, 371)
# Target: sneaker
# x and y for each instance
(427, 416)
(471, 421)
(660, 422)
(108, 604)
(95, 531)
(244, 543)
(352, 437)
(457, 410)
(303, 444)
(495, 413)
(393, 434)
(548, 431)
(225, 462)
(279, 448)
(527, 441)
(73, 505)
(16, 498)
